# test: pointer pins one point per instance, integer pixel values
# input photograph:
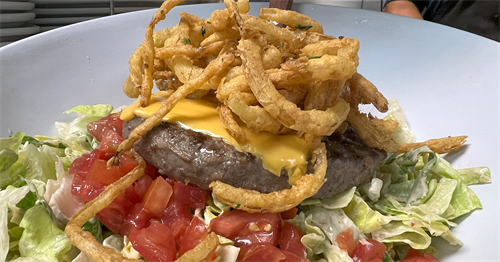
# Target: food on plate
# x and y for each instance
(254, 149)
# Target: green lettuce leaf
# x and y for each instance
(41, 238)
(464, 201)
(8, 199)
(7, 159)
(11, 166)
(403, 132)
(468, 176)
(334, 202)
(99, 110)
(365, 218)
(94, 227)
(321, 227)
(398, 232)
(13, 142)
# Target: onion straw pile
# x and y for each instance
(292, 80)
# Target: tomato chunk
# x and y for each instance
(127, 163)
(114, 215)
(111, 122)
(155, 243)
(132, 196)
(81, 186)
(369, 250)
(195, 233)
(152, 172)
(142, 185)
(291, 257)
(157, 197)
(290, 213)
(109, 143)
(248, 228)
(81, 165)
(189, 195)
(290, 240)
(101, 173)
(260, 252)
(345, 241)
(177, 217)
(414, 255)
(138, 218)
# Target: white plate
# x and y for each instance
(445, 79)
(20, 31)
(16, 6)
(16, 17)
(62, 20)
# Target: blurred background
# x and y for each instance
(23, 18)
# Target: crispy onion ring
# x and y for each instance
(253, 201)
(316, 122)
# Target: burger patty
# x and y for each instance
(200, 159)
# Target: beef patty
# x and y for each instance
(186, 155)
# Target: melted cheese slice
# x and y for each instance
(277, 152)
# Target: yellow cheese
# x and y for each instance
(277, 152)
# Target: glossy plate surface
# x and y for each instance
(446, 80)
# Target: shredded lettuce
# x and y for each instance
(12, 166)
(403, 132)
(35, 187)
(41, 238)
(321, 227)
(213, 209)
(8, 210)
(424, 194)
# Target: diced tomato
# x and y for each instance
(142, 184)
(111, 122)
(290, 240)
(369, 250)
(127, 163)
(138, 218)
(100, 172)
(291, 257)
(260, 253)
(414, 255)
(177, 217)
(345, 241)
(109, 143)
(86, 189)
(132, 196)
(155, 243)
(81, 165)
(189, 195)
(157, 197)
(81, 187)
(114, 215)
(248, 228)
(152, 172)
(424, 258)
(195, 233)
(290, 213)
